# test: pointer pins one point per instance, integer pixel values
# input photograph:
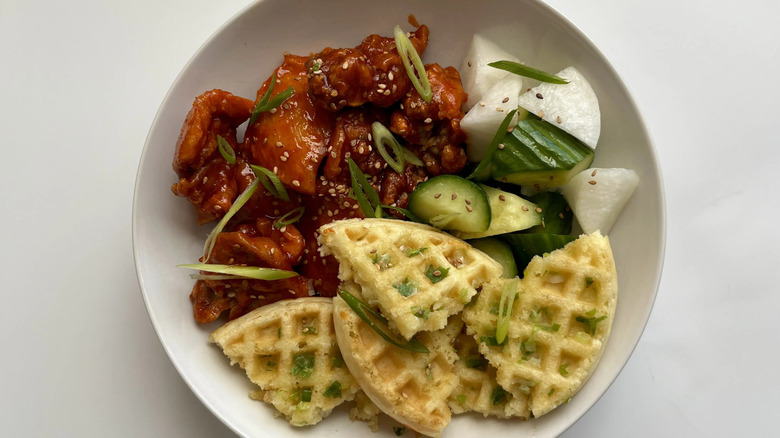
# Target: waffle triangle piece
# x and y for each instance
(289, 350)
(410, 387)
(559, 324)
(416, 274)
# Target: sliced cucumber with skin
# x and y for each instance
(540, 154)
(508, 212)
(526, 246)
(556, 215)
(499, 251)
(450, 202)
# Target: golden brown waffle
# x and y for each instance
(559, 323)
(416, 274)
(477, 389)
(289, 350)
(410, 387)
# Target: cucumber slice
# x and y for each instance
(540, 154)
(450, 202)
(508, 212)
(499, 251)
(556, 215)
(526, 246)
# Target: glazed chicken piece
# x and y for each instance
(435, 126)
(205, 178)
(291, 138)
(369, 73)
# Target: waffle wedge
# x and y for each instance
(289, 350)
(410, 387)
(559, 323)
(477, 389)
(416, 274)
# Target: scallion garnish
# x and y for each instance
(529, 72)
(411, 252)
(271, 182)
(252, 272)
(475, 361)
(333, 390)
(266, 103)
(364, 193)
(409, 215)
(508, 294)
(590, 321)
(384, 138)
(226, 150)
(407, 51)
(482, 172)
(379, 323)
(411, 157)
(436, 274)
(498, 395)
(237, 204)
(406, 288)
(303, 365)
(290, 217)
(563, 369)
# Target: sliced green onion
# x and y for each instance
(411, 157)
(291, 217)
(266, 103)
(590, 321)
(364, 193)
(271, 182)
(563, 369)
(529, 72)
(482, 172)
(382, 138)
(379, 323)
(505, 309)
(305, 394)
(303, 365)
(237, 204)
(253, 272)
(406, 50)
(436, 274)
(217, 277)
(475, 361)
(498, 395)
(226, 150)
(333, 390)
(409, 215)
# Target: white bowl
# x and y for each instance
(243, 53)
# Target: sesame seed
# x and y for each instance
(506, 99)
(501, 146)
(265, 140)
(454, 196)
(468, 201)
(559, 120)
(593, 173)
(436, 196)
(510, 129)
(333, 154)
(482, 104)
(205, 179)
(378, 165)
(541, 114)
(469, 208)
(217, 207)
(273, 250)
(525, 208)
(279, 144)
(469, 63)
(276, 169)
(345, 65)
(390, 76)
(283, 158)
(499, 109)
(296, 183)
(231, 294)
(272, 110)
(538, 210)
(428, 120)
(593, 183)
(539, 96)
(501, 198)
(373, 251)
(334, 93)
(382, 86)
(387, 93)
(283, 229)
(437, 273)
(402, 247)
(560, 215)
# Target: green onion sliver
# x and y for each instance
(409, 215)
(411, 157)
(364, 193)
(383, 137)
(291, 217)
(266, 103)
(481, 173)
(237, 204)
(215, 277)
(505, 308)
(406, 50)
(252, 272)
(529, 72)
(271, 182)
(379, 323)
(226, 150)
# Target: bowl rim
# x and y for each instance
(662, 226)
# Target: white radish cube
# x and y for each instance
(572, 107)
(475, 74)
(598, 196)
(482, 121)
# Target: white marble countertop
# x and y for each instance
(80, 83)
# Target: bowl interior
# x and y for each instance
(243, 53)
